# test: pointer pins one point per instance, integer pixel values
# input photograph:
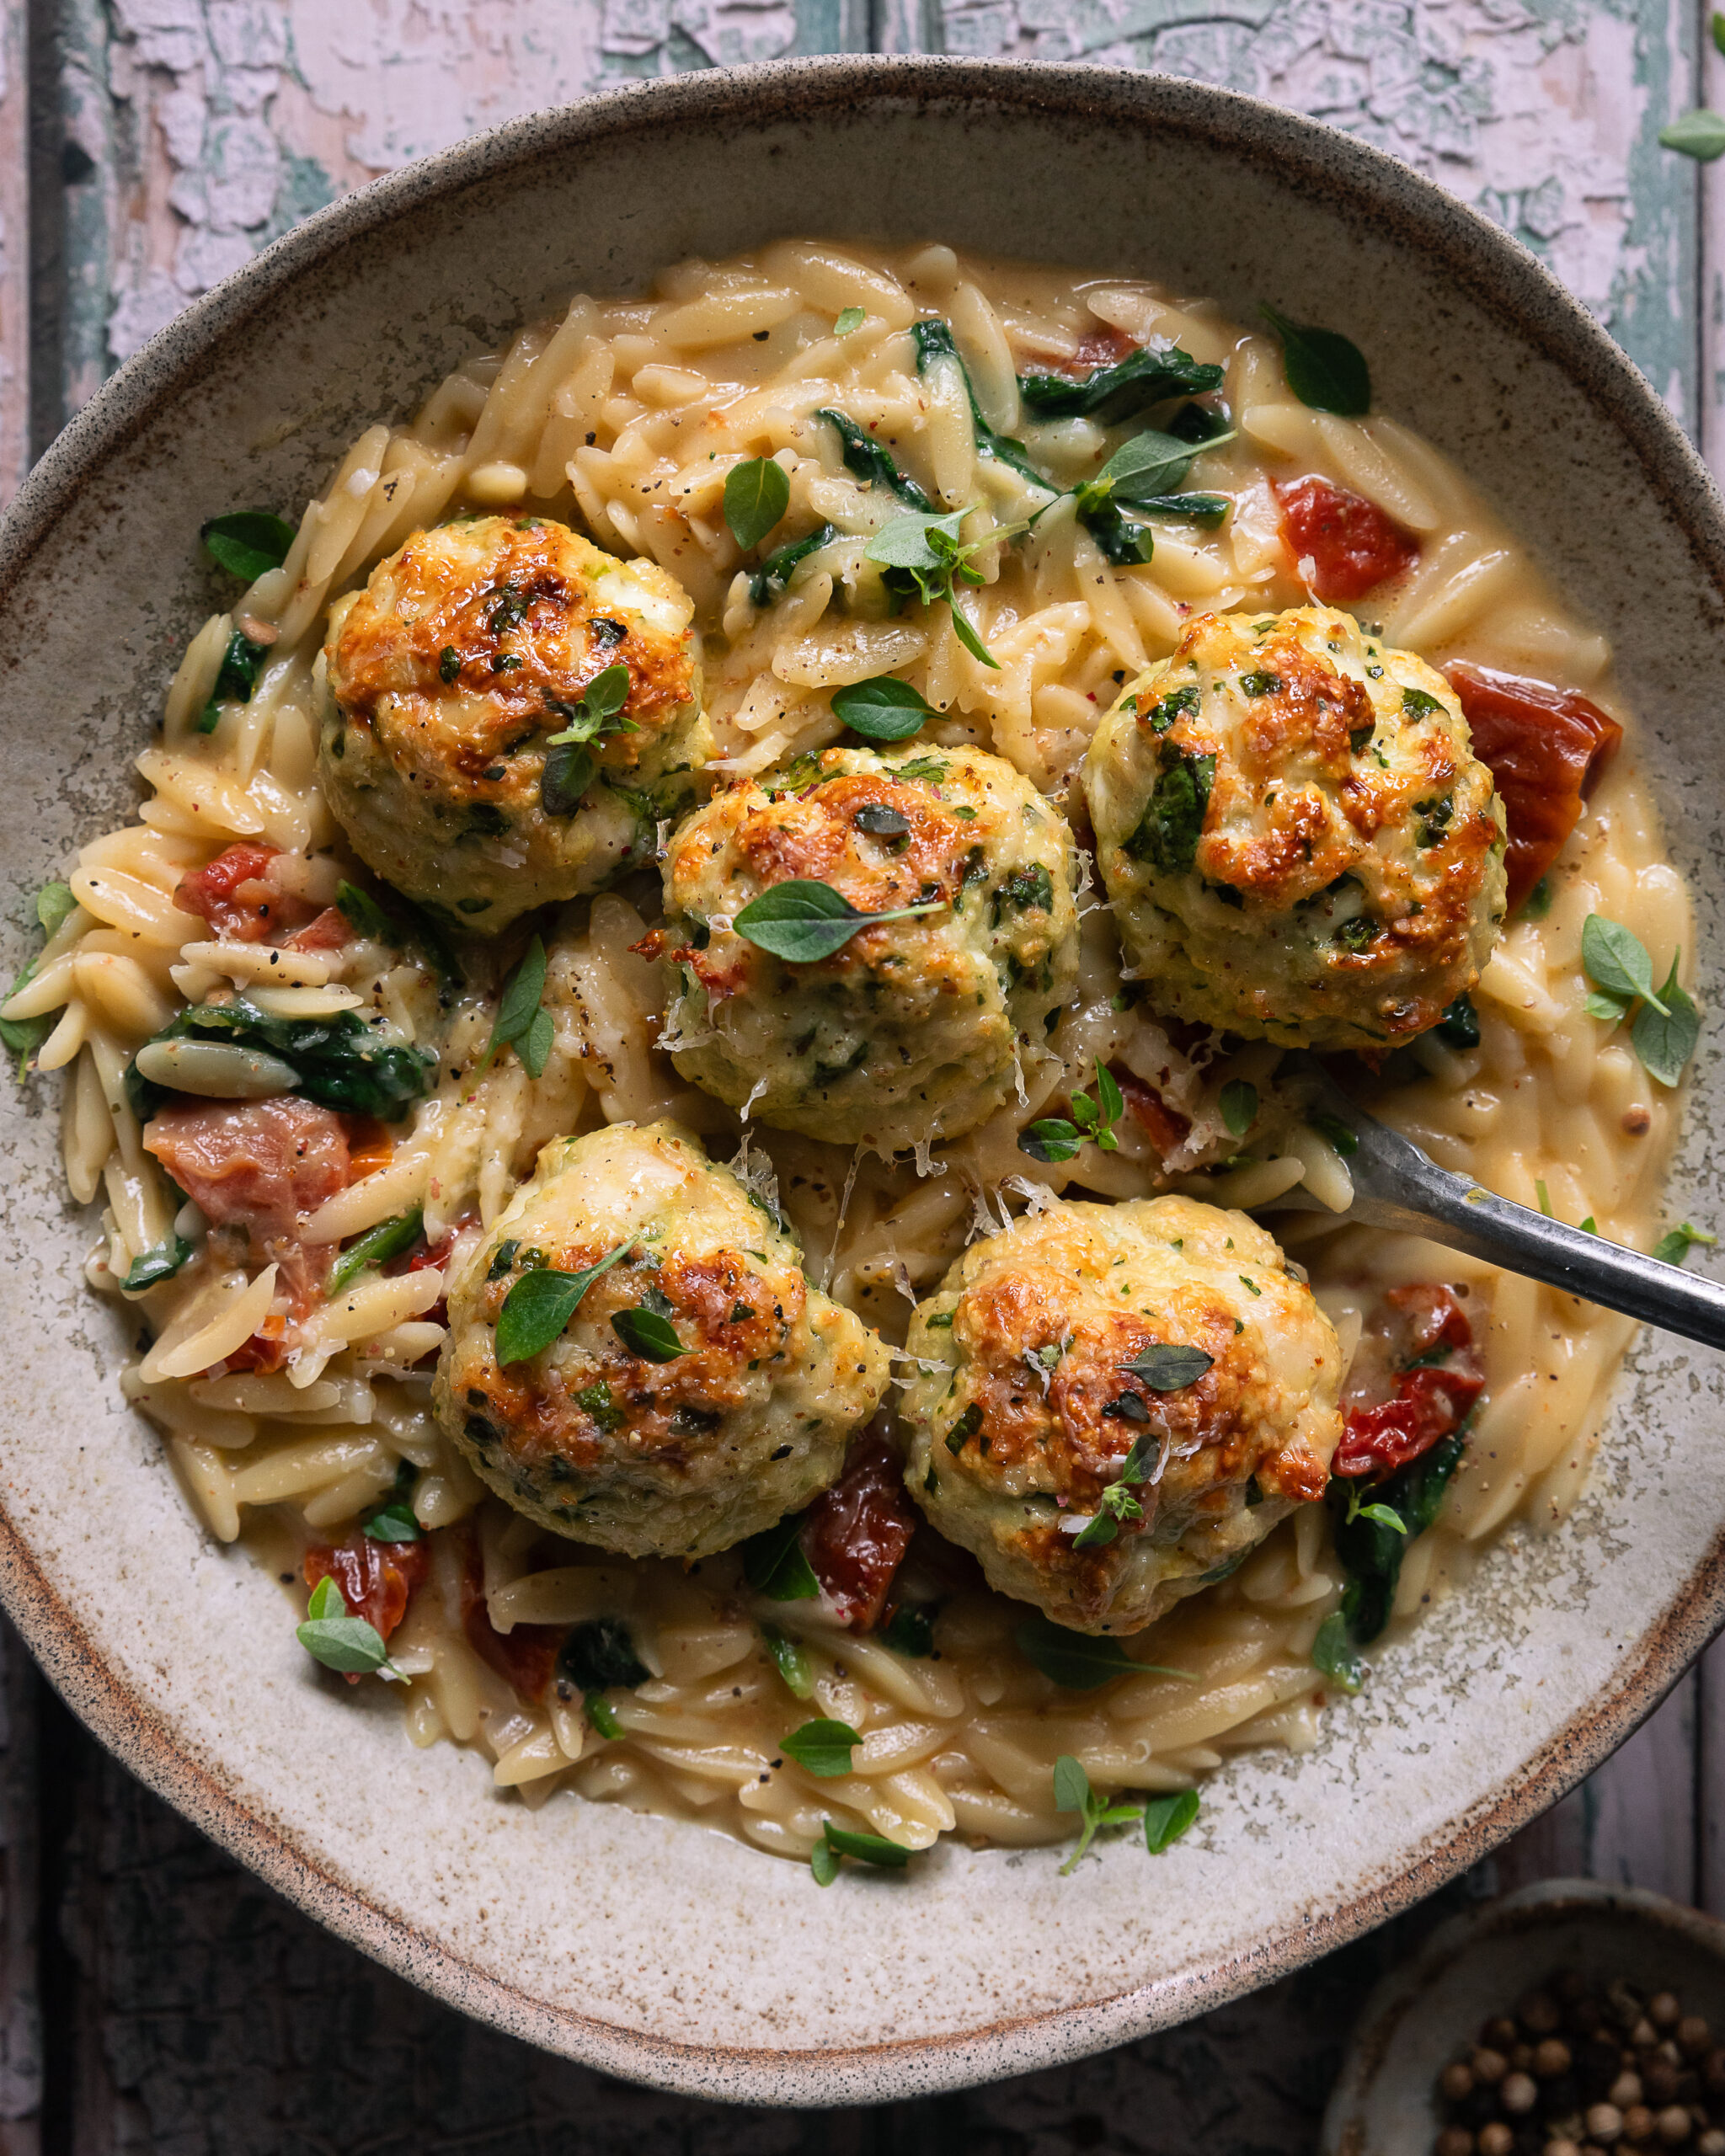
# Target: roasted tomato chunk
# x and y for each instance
(1546, 749)
(524, 1658)
(856, 1533)
(1437, 1379)
(1167, 1128)
(237, 894)
(1345, 545)
(325, 931)
(253, 1164)
(375, 1578)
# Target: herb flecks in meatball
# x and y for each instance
(1115, 1404)
(700, 1390)
(1297, 838)
(469, 650)
(914, 1029)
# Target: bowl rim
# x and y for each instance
(1316, 160)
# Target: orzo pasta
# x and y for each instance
(590, 646)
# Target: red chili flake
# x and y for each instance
(856, 1533)
(1545, 749)
(1345, 545)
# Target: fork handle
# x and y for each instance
(1398, 1186)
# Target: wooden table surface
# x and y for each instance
(153, 1997)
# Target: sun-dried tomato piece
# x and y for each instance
(1545, 749)
(1437, 1385)
(239, 895)
(524, 1658)
(1103, 346)
(1167, 1128)
(376, 1579)
(856, 1533)
(1431, 1316)
(1345, 545)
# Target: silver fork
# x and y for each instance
(1397, 1185)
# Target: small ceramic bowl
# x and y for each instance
(1477, 1965)
(657, 1950)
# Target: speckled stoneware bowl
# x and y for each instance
(1478, 1966)
(661, 1951)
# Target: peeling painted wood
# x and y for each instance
(1543, 114)
(208, 127)
(188, 2010)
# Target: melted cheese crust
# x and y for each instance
(469, 647)
(1024, 1412)
(1347, 882)
(675, 1458)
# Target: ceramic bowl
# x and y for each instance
(656, 1951)
(1477, 1965)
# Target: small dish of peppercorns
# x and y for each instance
(1568, 2020)
(1577, 2068)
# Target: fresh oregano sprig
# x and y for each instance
(757, 495)
(1054, 1139)
(884, 709)
(541, 1304)
(1073, 1793)
(774, 1564)
(836, 1842)
(925, 554)
(522, 1022)
(802, 920)
(647, 1333)
(1117, 1501)
(1326, 371)
(822, 1748)
(1666, 1024)
(1164, 1818)
(1675, 1244)
(570, 760)
(247, 543)
(1168, 1365)
(339, 1641)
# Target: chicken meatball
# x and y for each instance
(1299, 841)
(698, 1390)
(1114, 1403)
(912, 1030)
(471, 648)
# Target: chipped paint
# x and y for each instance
(210, 126)
(1544, 114)
(227, 120)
